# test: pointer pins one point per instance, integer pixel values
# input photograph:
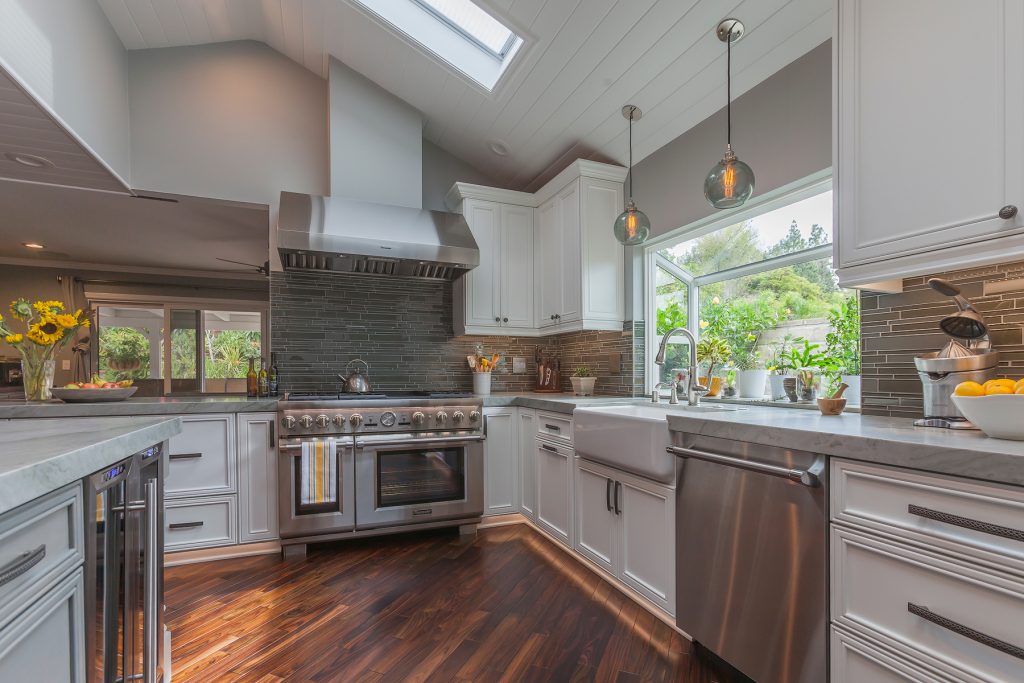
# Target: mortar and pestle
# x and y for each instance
(834, 404)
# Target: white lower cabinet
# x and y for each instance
(257, 476)
(554, 489)
(626, 526)
(200, 523)
(527, 424)
(202, 459)
(855, 660)
(501, 461)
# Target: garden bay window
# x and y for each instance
(758, 287)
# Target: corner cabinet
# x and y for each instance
(565, 275)
(928, 147)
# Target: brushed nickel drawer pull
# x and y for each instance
(185, 456)
(549, 448)
(965, 631)
(185, 525)
(21, 564)
(554, 428)
(966, 523)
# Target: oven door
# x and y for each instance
(417, 479)
(316, 492)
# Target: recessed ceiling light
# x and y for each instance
(30, 160)
(33, 245)
(499, 147)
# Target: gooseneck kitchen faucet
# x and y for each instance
(693, 390)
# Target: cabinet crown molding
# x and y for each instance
(581, 168)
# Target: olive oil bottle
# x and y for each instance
(252, 381)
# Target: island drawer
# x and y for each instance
(554, 426)
(984, 521)
(46, 642)
(39, 542)
(946, 613)
(855, 660)
(206, 523)
(202, 459)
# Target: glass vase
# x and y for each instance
(37, 377)
(808, 384)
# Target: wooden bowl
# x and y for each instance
(831, 406)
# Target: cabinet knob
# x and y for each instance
(504, 320)
(552, 316)
(497, 319)
(1008, 212)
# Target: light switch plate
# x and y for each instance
(518, 365)
(65, 365)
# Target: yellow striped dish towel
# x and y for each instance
(319, 478)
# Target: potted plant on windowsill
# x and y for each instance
(712, 351)
(778, 368)
(583, 380)
(751, 374)
(842, 345)
(806, 362)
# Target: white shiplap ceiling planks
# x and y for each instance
(560, 100)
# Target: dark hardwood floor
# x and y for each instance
(509, 606)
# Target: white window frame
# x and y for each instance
(794, 192)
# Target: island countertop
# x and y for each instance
(158, 405)
(39, 456)
(883, 440)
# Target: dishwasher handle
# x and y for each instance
(808, 477)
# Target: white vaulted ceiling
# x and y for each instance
(560, 100)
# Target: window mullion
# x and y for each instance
(757, 267)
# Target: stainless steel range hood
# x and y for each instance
(332, 234)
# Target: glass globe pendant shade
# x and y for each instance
(730, 183)
(632, 227)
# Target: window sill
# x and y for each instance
(768, 403)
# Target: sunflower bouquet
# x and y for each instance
(48, 327)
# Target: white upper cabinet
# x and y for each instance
(928, 136)
(565, 275)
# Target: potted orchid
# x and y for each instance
(47, 328)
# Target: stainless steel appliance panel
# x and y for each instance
(295, 519)
(751, 556)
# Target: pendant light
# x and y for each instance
(731, 182)
(632, 227)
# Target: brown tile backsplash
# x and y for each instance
(896, 327)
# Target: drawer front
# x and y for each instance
(39, 542)
(47, 641)
(934, 608)
(202, 458)
(203, 523)
(554, 427)
(855, 660)
(962, 517)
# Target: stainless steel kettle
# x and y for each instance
(356, 382)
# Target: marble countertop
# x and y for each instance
(39, 456)
(882, 440)
(557, 403)
(168, 405)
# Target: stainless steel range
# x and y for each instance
(355, 465)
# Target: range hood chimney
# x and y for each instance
(373, 223)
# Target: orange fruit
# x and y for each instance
(1001, 381)
(1019, 389)
(1018, 385)
(998, 389)
(969, 389)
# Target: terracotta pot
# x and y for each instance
(715, 387)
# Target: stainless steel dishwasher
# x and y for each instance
(751, 556)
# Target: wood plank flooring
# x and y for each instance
(509, 606)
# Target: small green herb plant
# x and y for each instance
(583, 371)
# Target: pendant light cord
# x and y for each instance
(728, 87)
(631, 112)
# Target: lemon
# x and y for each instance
(998, 389)
(969, 389)
(1019, 389)
(1018, 385)
(1009, 383)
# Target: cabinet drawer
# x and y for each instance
(202, 458)
(47, 641)
(554, 426)
(933, 608)
(39, 542)
(855, 660)
(200, 523)
(981, 520)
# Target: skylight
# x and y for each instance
(458, 32)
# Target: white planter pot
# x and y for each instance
(751, 383)
(777, 390)
(853, 391)
(482, 383)
(583, 386)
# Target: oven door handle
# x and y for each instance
(347, 443)
(416, 441)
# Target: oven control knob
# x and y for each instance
(441, 417)
(339, 420)
(306, 421)
(288, 422)
(388, 419)
(474, 416)
(458, 416)
(322, 420)
(418, 418)
(355, 419)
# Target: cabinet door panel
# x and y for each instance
(257, 486)
(203, 457)
(596, 525)
(930, 124)
(648, 540)
(527, 463)
(554, 481)
(571, 306)
(602, 253)
(500, 462)
(548, 262)
(517, 274)
(483, 282)
(47, 641)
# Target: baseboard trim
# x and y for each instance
(502, 520)
(221, 553)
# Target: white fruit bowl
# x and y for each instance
(1000, 416)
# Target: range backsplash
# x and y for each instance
(896, 327)
(403, 329)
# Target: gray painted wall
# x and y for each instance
(441, 170)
